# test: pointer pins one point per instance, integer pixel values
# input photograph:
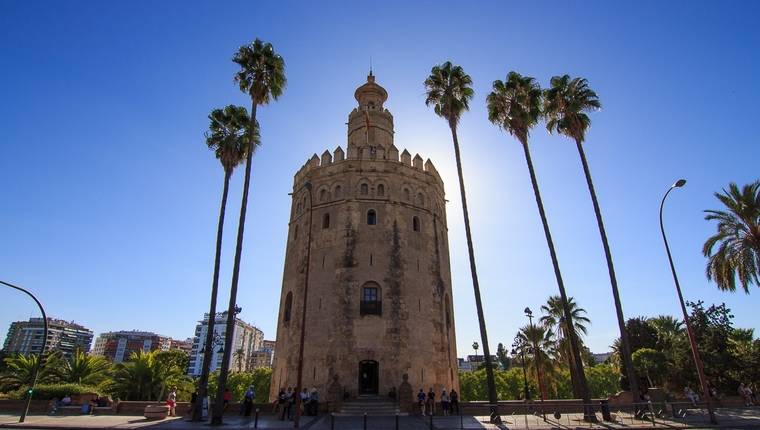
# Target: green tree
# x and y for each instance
(603, 380)
(449, 91)
(229, 136)
(84, 369)
(19, 371)
(539, 346)
(146, 376)
(554, 318)
(651, 363)
(515, 106)
(262, 77)
(738, 238)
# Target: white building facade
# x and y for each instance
(246, 340)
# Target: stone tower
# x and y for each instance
(379, 302)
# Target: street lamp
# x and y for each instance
(694, 350)
(297, 419)
(30, 392)
(529, 314)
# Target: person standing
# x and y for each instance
(445, 402)
(454, 401)
(248, 401)
(193, 402)
(282, 403)
(421, 401)
(314, 402)
(291, 402)
(171, 401)
(431, 401)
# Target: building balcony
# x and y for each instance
(371, 307)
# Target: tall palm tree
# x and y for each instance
(515, 106)
(262, 77)
(539, 343)
(566, 106)
(738, 236)
(554, 318)
(449, 91)
(229, 137)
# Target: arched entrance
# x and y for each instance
(368, 377)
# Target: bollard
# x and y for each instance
(256, 419)
(365, 421)
(461, 421)
(431, 421)
(332, 421)
(396, 421)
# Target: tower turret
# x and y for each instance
(370, 125)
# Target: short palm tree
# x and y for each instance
(262, 77)
(228, 136)
(449, 91)
(539, 343)
(738, 238)
(515, 106)
(144, 377)
(566, 106)
(19, 371)
(84, 369)
(554, 318)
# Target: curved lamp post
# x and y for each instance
(297, 419)
(694, 350)
(42, 350)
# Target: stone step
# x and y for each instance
(372, 406)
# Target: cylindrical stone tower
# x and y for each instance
(379, 302)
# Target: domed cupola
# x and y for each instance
(371, 96)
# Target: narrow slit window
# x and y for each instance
(288, 307)
(381, 190)
(326, 221)
(416, 224)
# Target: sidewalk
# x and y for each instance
(729, 418)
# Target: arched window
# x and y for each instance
(416, 224)
(338, 192)
(420, 199)
(371, 299)
(288, 307)
(323, 195)
(364, 189)
(371, 217)
(381, 190)
(326, 221)
(407, 194)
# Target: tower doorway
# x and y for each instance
(368, 377)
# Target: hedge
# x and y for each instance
(51, 391)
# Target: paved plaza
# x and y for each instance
(729, 418)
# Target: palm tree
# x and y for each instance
(566, 107)
(229, 137)
(515, 106)
(449, 90)
(84, 369)
(739, 237)
(554, 318)
(145, 376)
(539, 343)
(262, 77)
(19, 371)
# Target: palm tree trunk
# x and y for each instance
(625, 344)
(557, 274)
(228, 338)
(492, 398)
(208, 351)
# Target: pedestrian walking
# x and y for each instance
(282, 399)
(250, 394)
(421, 401)
(453, 401)
(171, 401)
(445, 402)
(291, 402)
(193, 402)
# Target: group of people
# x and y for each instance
(246, 406)
(449, 402)
(285, 402)
(87, 407)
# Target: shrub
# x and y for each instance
(51, 391)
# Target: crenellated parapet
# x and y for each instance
(369, 156)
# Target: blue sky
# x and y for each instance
(110, 198)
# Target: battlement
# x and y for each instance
(367, 154)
